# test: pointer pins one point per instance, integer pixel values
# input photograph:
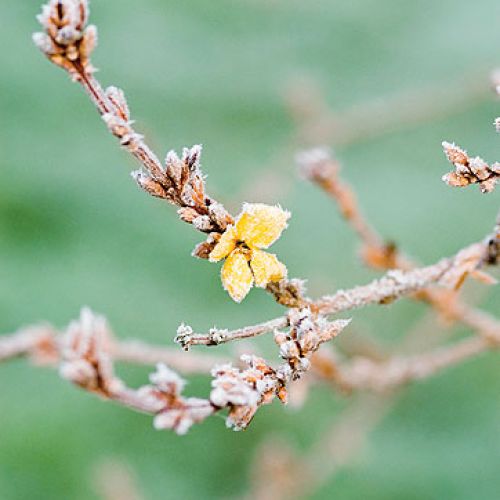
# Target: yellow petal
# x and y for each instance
(266, 268)
(225, 245)
(236, 275)
(261, 225)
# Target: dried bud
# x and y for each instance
(68, 43)
(188, 214)
(488, 185)
(116, 125)
(85, 353)
(469, 170)
(479, 168)
(44, 43)
(167, 380)
(79, 372)
(220, 215)
(203, 223)
(495, 168)
(465, 262)
(191, 157)
(205, 248)
(217, 335)
(455, 154)
(119, 102)
(149, 185)
(229, 387)
(184, 336)
(174, 412)
(455, 180)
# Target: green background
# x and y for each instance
(75, 230)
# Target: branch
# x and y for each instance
(320, 167)
(43, 346)
(394, 285)
(68, 42)
(366, 374)
(86, 352)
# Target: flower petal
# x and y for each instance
(225, 245)
(261, 225)
(266, 268)
(236, 276)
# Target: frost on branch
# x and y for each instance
(87, 348)
(85, 356)
(307, 332)
(66, 39)
(470, 170)
(87, 362)
(68, 43)
(179, 180)
(243, 391)
(177, 413)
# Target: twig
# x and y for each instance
(366, 374)
(86, 352)
(43, 344)
(392, 286)
(68, 42)
(319, 166)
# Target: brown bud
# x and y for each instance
(455, 154)
(149, 185)
(203, 250)
(188, 214)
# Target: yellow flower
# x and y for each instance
(257, 227)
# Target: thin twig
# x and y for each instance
(392, 286)
(319, 166)
(43, 344)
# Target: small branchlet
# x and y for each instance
(320, 166)
(87, 362)
(68, 43)
(470, 170)
(243, 391)
(179, 180)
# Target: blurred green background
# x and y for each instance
(75, 230)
